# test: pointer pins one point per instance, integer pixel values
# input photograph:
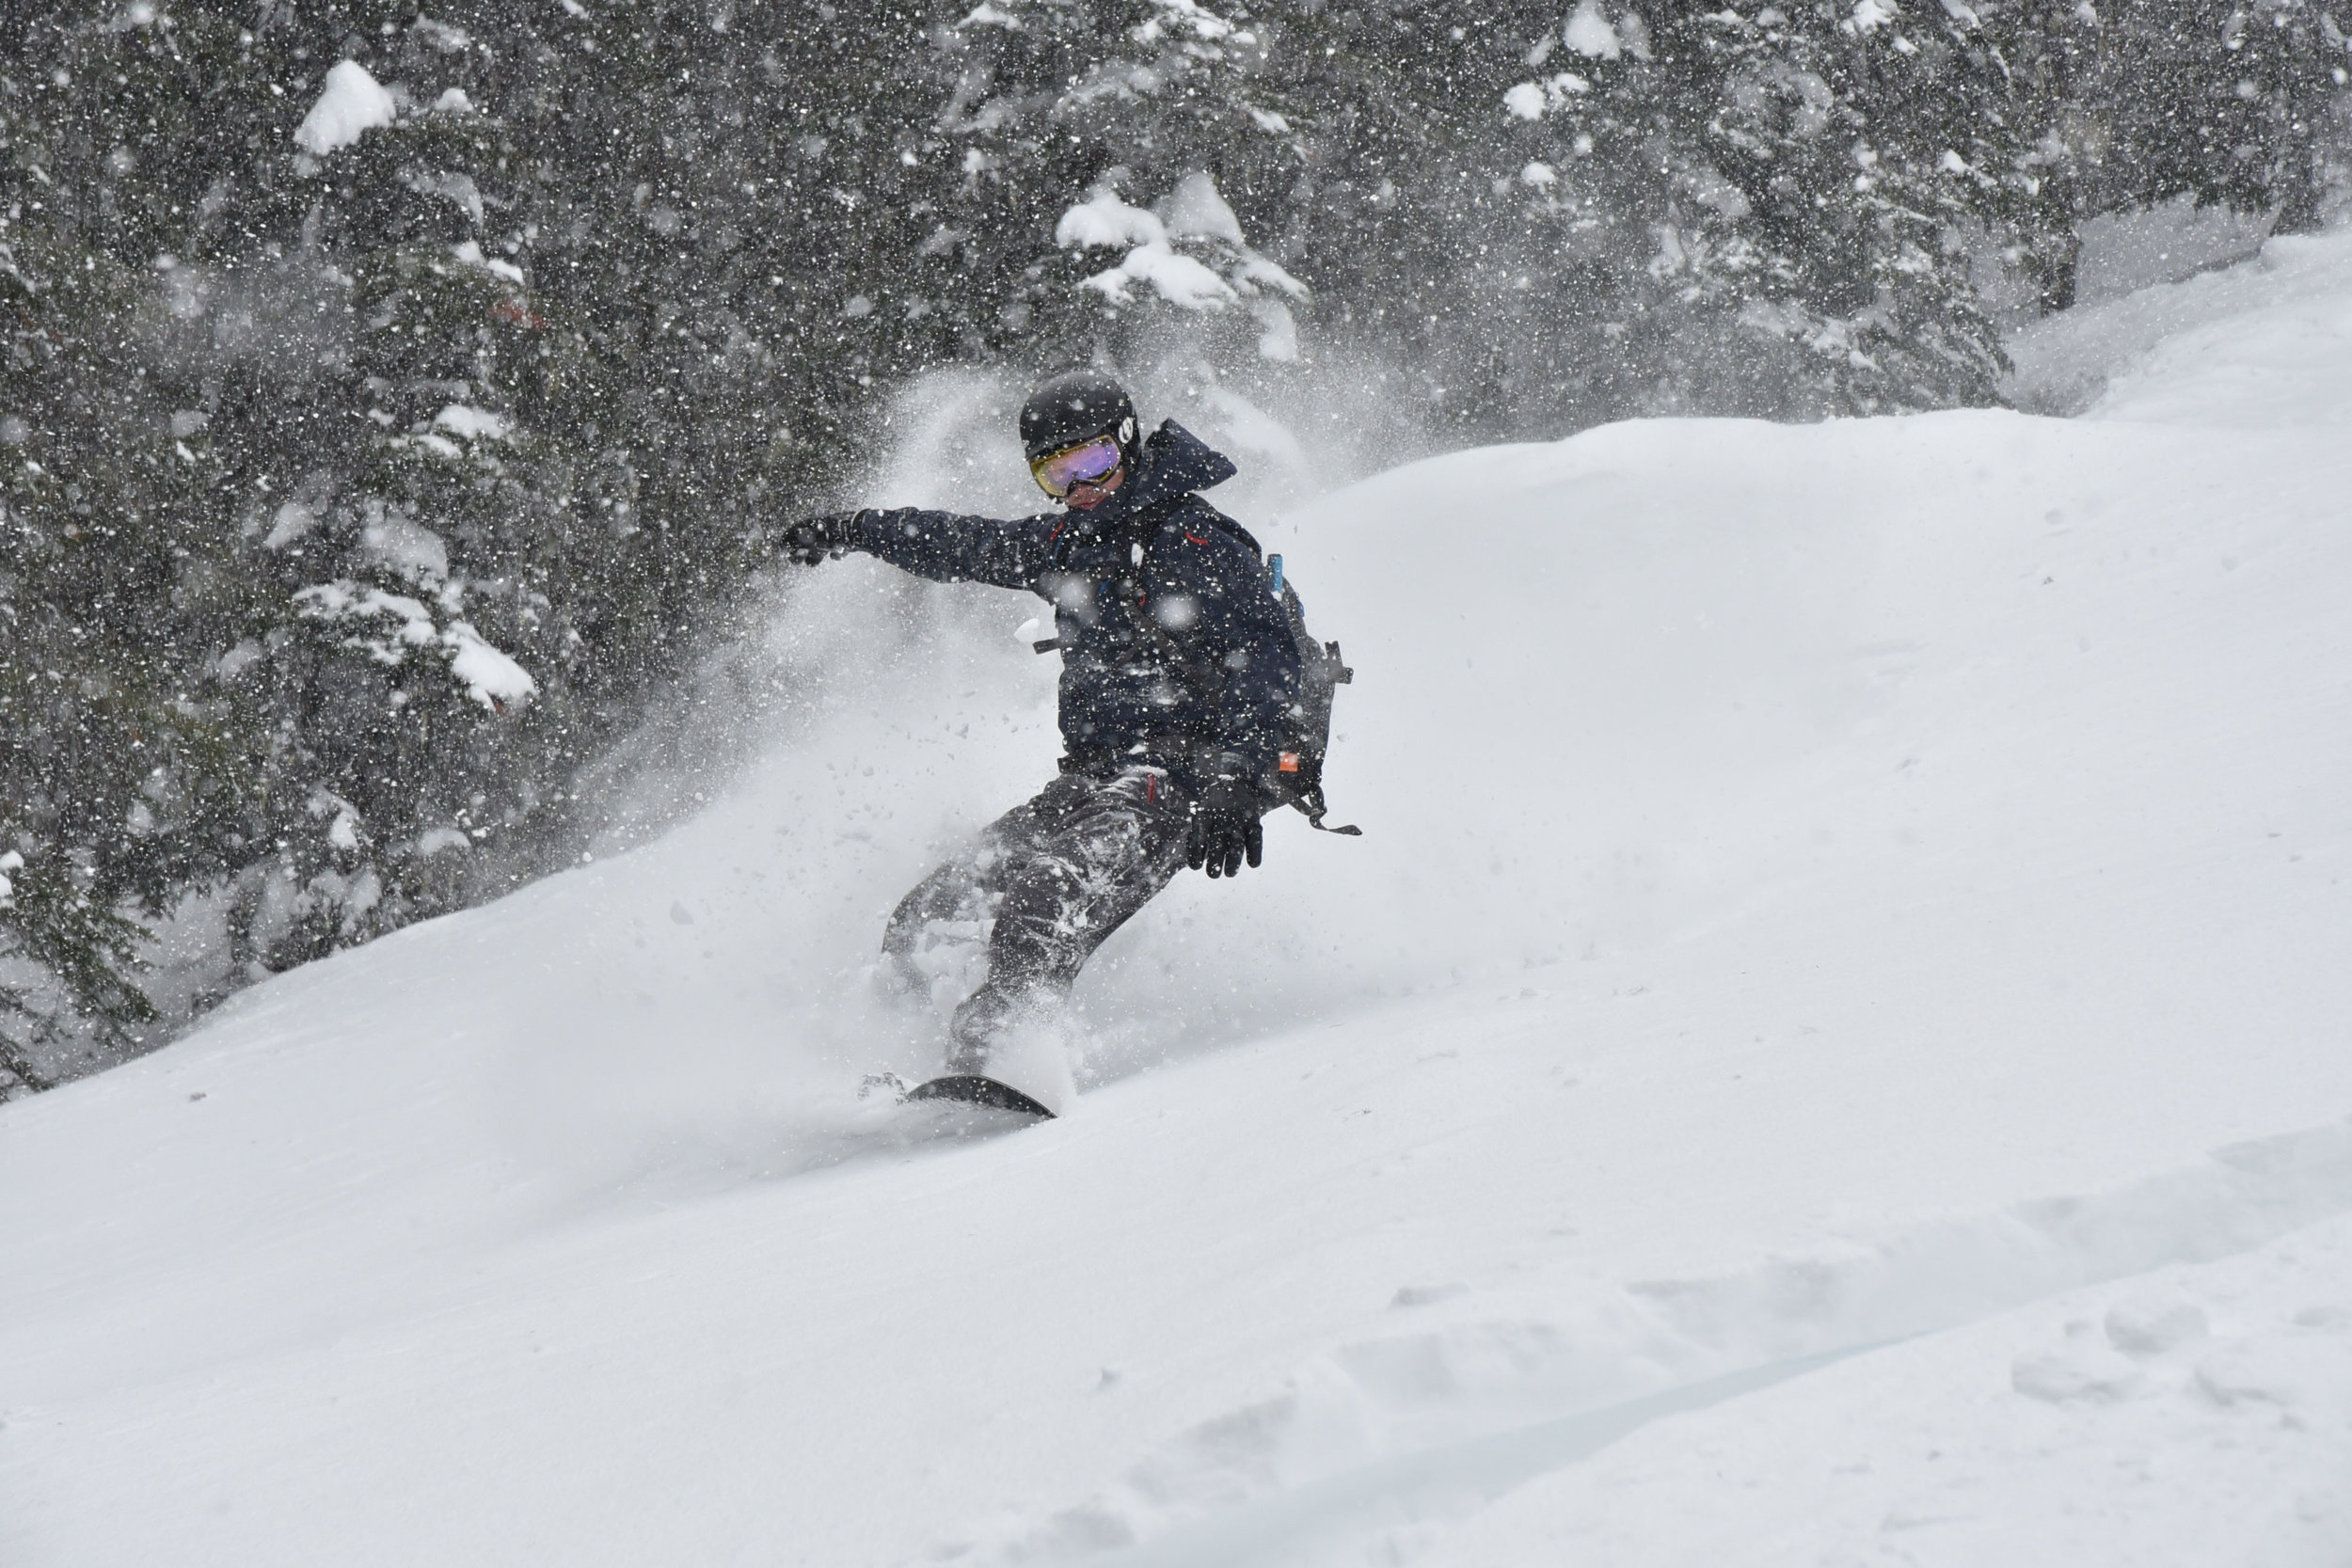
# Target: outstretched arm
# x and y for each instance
(945, 547)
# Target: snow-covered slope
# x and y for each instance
(1831, 1049)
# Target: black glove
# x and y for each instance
(1225, 827)
(813, 540)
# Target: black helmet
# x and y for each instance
(1074, 406)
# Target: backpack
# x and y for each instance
(1307, 724)
(1306, 738)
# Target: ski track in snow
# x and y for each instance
(1301, 1478)
(2197, 1414)
(1830, 1052)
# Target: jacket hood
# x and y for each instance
(1175, 463)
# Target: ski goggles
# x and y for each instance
(1058, 473)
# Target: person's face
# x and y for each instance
(1086, 497)
(1091, 469)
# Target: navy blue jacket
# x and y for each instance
(1172, 641)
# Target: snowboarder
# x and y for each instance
(1178, 666)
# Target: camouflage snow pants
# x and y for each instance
(1044, 884)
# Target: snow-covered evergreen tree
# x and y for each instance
(121, 779)
(1092, 173)
(2130, 105)
(1750, 208)
(2229, 103)
(312, 508)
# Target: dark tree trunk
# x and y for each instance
(2299, 190)
(2052, 262)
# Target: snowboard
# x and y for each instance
(973, 1089)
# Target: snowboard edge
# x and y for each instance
(973, 1089)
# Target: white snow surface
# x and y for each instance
(475, 424)
(351, 103)
(1196, 209)
(1176, 277)
(1831, 1050)
(407, 546)
(1588, 32)
(488, 672)
(489, 676)
(1104, 220)
(2191, 351)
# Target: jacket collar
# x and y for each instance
(1176, 463)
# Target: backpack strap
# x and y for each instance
(1206, 686)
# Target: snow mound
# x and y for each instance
(2230, 340)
